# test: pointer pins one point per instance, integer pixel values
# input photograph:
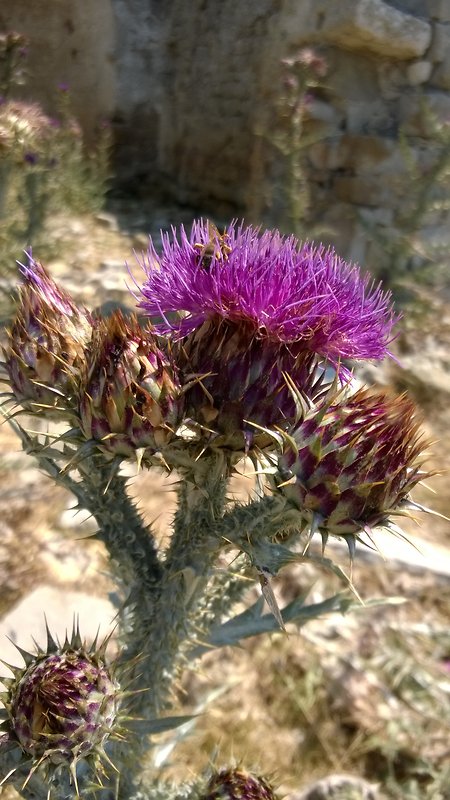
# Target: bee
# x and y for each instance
(216, 247)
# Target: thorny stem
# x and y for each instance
(186, 570)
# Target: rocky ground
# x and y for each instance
(367, 694)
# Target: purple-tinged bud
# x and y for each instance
(235, 784)
(63, 706)
(130, 396)
(238, 382)
(45, 344)
(352, 462)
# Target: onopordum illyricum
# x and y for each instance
(250, 357)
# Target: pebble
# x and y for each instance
(26, 622)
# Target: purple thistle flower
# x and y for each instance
(301, 295)
(31, 158)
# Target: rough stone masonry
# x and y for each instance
(192, 90)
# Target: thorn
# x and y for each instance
(11, 772)
(52, 646)
(27, 657)
(75, 640)
(73, 775)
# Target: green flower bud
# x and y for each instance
(352, 463)
(45, 345)
(129, 396)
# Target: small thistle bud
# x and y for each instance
(130, 396)
(63, 705)
(235, 784)
(23, 127)
(45, 344)
(351, 463)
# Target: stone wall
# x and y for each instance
(193, 89)
(70, 42)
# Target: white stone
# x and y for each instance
(440, 43)
(27, 620)
(439, 9)
(376, 26)
(419, 72)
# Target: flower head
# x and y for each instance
(351, 463)
(23, 127)
(129, 395)
(63, 705)
(237, 385)
(46, 343)
(235, 784)
(300, 295)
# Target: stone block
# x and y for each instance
(321, 111)
(370, 154)
(441, 75)
(440, 42)
(377, 217)
(373, 25)
(367, 190)
(439, 10)
(368, 116)
(414, 112)
(419, 72)
(328, 154)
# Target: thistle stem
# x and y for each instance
(164, 638)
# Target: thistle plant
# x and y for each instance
(45, 166)
(246, 354)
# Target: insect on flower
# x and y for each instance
(216, 247)
(269, 596)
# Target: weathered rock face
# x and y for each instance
(71, 43)
(193, 90)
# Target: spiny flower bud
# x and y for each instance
(351, 463)
(235, 784)
(23, 127)
(130, 396)
(63, 705)
(241, 383)
(46, 344)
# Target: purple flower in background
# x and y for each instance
(302, 296)
(31, 158)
